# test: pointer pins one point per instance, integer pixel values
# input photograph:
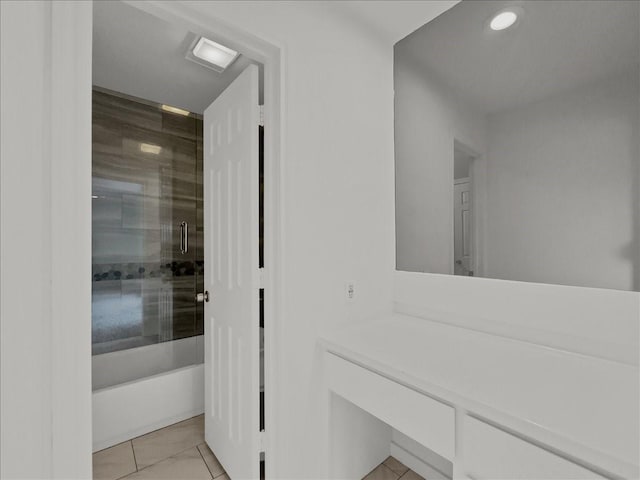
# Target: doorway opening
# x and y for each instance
(164, 222)
(463, 210)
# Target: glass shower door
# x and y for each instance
(145, 190)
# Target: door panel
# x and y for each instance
(231, 222)
(462, 241)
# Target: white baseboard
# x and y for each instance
(132, 409)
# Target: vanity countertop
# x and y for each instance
(583, 406)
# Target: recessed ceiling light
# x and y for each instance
(179, 111)
(503, 20)
(211, 54)
(148, 148)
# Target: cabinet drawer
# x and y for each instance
(418, 416)
(491, 453)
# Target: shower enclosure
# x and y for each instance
(147, 239)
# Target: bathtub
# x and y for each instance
(142, 389)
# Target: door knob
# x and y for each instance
(202, 297)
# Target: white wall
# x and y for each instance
(338, 191)
(45, 240)
(25, 389)
(428, 117)
(338, 196)
(563, 170)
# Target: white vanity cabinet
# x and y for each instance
(426, 420)
(497, 408)
(492, 453)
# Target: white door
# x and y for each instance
(231, 277)
(462, 228)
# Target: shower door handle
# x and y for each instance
(184, 237)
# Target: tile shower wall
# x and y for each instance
(147, 179)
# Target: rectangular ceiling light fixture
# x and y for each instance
(176, 110)
(213, 55)
(148, 148)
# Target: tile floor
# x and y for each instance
(179, 452)
(174, 452)
(392, 469)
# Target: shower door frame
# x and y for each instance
(71, 32)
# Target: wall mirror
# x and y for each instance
(517, 143)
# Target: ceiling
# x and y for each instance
(392, 20)
(141, 55)
(556, 46)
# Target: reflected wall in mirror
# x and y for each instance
(518, 150)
